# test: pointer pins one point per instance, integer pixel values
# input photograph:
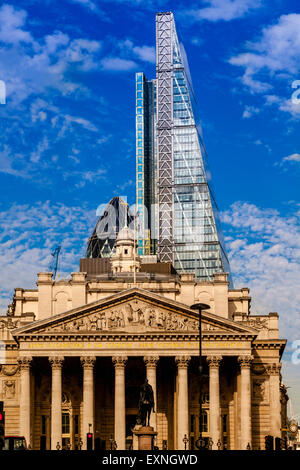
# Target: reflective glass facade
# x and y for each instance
(187, 223)
(146, 166)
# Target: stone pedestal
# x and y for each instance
(145, 436)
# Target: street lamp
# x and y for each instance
(200, 307)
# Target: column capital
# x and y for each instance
(151, 361)
(214, 361)
(182, 361)
(245, 361)
(119, 361)
(273, 369)
(88, 362)
(56, 362)
(25, 362)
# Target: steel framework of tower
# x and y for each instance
(173, 179)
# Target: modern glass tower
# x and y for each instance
(174, 191)
(115, 216)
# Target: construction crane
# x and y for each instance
(54, 263)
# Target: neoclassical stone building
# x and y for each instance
(76, 352)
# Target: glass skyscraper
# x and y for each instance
(177, 210)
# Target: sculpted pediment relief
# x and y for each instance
(133, 316)
(132, 311)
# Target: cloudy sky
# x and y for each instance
(68, 137)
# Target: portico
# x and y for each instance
(99, 366)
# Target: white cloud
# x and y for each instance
(43, 145)
(30, 66)
(27, 236)
(12, 22)
(264, 248)
(87, 3)
(145, 53)
(85, 123)
(295, 157)
(272, 58)
(249, 111)
(223, 10)
(115, 64)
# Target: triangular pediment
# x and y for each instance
(133, 311)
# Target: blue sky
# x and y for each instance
(68, 136)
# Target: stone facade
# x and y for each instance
(77, 351)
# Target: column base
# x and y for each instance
(145, 436)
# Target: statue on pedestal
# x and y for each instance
(146, 403)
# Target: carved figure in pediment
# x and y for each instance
(103, 321)
(120, 319)
(81, 324)
(161, 320)
(128, 313)
(136, 311)
(150, 317)
(113, 320)
(100, 321)
(172, 322)
(169, 322)
(185, 324)
(93, 322)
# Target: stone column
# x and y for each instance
(273, 371)
(120, 413)
(88, 397)
(56, 397)
(214, 399)
(25, 411)
(182, 400)
(246, 428)
(151, 362)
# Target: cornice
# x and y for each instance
(277, 344)
(125, 336)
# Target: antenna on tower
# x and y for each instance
(54, 263)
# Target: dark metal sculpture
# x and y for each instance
(146, 403)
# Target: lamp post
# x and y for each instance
(200, 307)
(185, 441)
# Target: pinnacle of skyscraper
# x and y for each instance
(175, 201)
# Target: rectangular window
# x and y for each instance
(43, 425)
(224, 424)
(65, 423)
(192, 425)
(76, 424)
